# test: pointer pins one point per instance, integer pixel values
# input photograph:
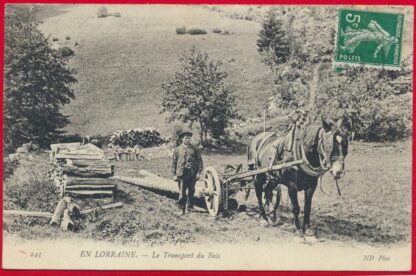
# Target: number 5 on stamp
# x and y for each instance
(372, 39)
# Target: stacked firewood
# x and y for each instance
(81, 171)
(144, 138)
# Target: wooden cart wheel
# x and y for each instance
(212, 191)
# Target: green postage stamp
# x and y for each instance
(369, 38)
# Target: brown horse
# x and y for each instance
(321, 145)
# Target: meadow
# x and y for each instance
(375, 206)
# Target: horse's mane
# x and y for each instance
(310, 136)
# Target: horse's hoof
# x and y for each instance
(298, 233)
(264, 223)
(277, 222)
(309, 232)
(310, 239)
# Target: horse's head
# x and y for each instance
(333, 146)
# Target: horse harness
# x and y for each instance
(295, 137)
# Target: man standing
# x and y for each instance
(186, 167)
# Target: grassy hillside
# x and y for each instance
(122, 62)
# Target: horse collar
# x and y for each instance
(299, 152)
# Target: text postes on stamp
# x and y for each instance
(369, 38)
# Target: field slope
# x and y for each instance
(122, 62)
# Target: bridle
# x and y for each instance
(324, 152)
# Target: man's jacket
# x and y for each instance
(186, 157)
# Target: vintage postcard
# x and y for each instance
(207, 137)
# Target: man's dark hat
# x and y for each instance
(184, 132)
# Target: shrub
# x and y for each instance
(29, 188)
(196, 31)
(386, 120)
(66, 52)
(55, 39)
(102, 12)
(216, 31)
(69, 138)
(67, 37)
(100, 140)
(9, 166)
(181, 30)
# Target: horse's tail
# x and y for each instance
(250, 152)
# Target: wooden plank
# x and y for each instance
(89, 171)
(86, 163)
(27, 213)
(90, 193)
(79, 156)
(105, 207)
(91, 187)
(87, 181)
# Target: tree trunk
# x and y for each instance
(314, 86)
(27, 213)
(201, 133)
(155, 182)
(205, 134)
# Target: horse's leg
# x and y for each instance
(307, 209)
(276, 194)
(293, 194)
(259, 181)
(269, 195)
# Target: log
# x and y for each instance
(88, 171)
(86, 163)
(109, 206)
(90, 187)
(79, 156)
(67, 222)
(87, 181)
(28, 213)
(59, 212)
(158, 183)
(89, 193)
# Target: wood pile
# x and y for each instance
(81, 171)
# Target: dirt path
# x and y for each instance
(158, 210)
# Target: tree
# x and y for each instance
(273, 42)
(37, 82)
(377, 101)
(198, 93)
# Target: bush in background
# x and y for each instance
(196, 31)
(102, 12)
(181, 30)
(216, 31)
